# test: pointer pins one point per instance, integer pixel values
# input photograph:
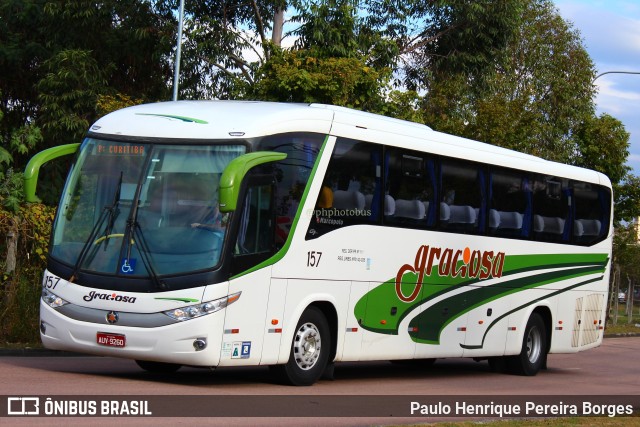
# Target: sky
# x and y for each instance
(610, 30)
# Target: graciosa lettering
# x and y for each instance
(461, 263)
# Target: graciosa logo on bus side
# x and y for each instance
(455, 264)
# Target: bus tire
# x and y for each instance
(158, 367)
(310, 349)
(533, 355)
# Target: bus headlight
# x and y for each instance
(52, 300)
(197, 310)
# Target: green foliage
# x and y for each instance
(109, 103)
(59, 57)
(404, 105)
(535, 96)
(626, 251)
(11, 190)
(329, 28)
(627, 198)
(224, 44)
(20, 290)
(69, 93)
(457, 37)
(604, 146)
(299, 76)
(25, 139)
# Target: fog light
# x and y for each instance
(43, 328)
(200, 344)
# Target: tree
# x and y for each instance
(300, 76)
(224, 44)
(627, 197)
(60, 57)
(535, 97)
(452, 37)
(227, 44)
(327, 64)
(603, 138)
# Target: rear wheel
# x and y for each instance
(309, 350)
(533, 354)
(158, 367)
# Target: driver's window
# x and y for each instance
(255, 232)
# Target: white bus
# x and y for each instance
(222, 233)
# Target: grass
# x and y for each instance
(622, 329)
(623, 326)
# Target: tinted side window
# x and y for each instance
(592, 212)
(510, 201)
(255, 234)
(462, 197)
(291, 174)
(551, 219)
(351, 189)
(410, 193)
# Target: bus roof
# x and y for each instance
(212, 120)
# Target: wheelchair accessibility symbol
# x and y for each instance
(128, 265)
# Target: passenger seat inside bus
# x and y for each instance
(462, 214)
(411, 209)
(548, 224)
(586, 230)
(348, 200)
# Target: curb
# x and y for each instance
(623, 335)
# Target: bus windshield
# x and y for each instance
(142, 209)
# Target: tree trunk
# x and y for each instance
(12, 246)
(614, 293)
(278, 24)
(629, 301)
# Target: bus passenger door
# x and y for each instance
(252, 242)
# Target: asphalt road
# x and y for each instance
(611, 370)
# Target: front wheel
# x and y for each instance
(533, 355)
(309, 350)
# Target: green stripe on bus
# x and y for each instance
(430, 323)
(499, 318)
(171, 116)
(179, 299)
(378, 303)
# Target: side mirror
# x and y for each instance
(234, 173)
(33, 168)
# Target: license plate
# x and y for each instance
(111, 340)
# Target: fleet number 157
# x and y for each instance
(50, 282)
(313, 258)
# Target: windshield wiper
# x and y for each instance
(133, 229)
(110, 212)
(114, 211)
(144, 251)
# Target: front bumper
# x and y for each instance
(172, 343)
